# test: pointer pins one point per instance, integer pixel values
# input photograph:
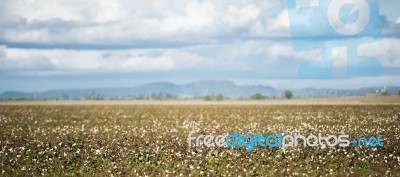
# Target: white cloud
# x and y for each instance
(284, 50)
(275, 26)
(126, 21)
(122, 21)
(75, 61)
(386, 50)
(250, 55)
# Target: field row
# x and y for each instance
(152, 140)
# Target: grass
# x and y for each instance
(119, 139)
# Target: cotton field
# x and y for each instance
(151, 140)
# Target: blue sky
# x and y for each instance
(122, 43)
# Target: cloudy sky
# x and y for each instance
(122, 43)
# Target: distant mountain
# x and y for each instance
(228, 88)
(166, 90)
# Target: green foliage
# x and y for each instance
(258, 96)
(219, 97)
(21, 99)
(53, 98)
(65, 97)
(207, 98)
(385, 93)
(114, 98)
(288, 94)
(94, 97)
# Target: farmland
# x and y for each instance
(151, 139)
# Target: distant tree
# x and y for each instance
(207, 98)
(130, 97)
(114, 98)
(23, 99)
(156, 96)
(65, 97)
(288, 94)
(169, 96)
(140, 97)
(258, 96)
(99, 97)
(87, 97)
(399, 92)
(219, 97)
(53, 98)
(242, 98)
(385, 93)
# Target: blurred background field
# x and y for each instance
(373, 100)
